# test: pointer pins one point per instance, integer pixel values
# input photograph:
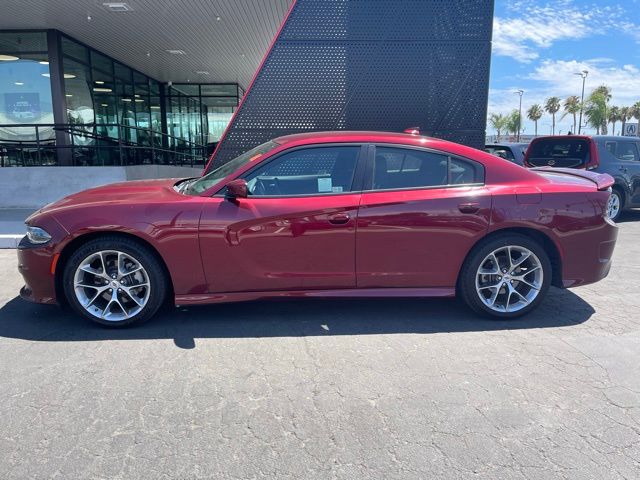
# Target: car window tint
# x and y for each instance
(502, 152)
(320, 170)
(462, 172)
(627, 151)
(559, 152)
(408, 168)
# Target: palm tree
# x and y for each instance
(513, 122)
(625, 114)
(612, 117)
(572, 107)
(552, 106)
(606, 95)
(498, 122)
(635, 112)
(596, 111)
(534, 114)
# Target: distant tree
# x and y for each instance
(572, 107)
(552, 106)
(513, 122)
(625, 113)
(613, 116)
(605, 92)
(635, 112)
(498, 122)
(596, 111)
(534, 114)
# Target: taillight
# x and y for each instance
(594, 159)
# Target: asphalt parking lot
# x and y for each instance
(328, 389)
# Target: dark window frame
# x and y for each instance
(368, 181)
(356, 183)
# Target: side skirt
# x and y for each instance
(200, 299)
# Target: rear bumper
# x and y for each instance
(34, 264)
(587, 254)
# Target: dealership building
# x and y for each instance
(94, 91)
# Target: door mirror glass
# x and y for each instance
(237, 188)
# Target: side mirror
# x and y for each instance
(237, 188)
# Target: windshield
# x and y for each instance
(209, 180)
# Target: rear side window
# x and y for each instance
(559, 152)
(397, 168)
(309, 171)
(627, 151)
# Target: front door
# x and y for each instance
(296, 230)
(420, 215)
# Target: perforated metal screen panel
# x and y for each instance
(371, 65)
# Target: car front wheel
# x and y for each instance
(114, 282)
(505, 277)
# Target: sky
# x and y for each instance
(539, 45)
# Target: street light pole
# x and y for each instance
(520, 92)
(584, 74)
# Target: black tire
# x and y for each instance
(142, 254)
(620, 196)
(467, 280)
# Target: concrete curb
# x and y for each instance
(10, 241)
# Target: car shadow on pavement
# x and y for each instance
(296, 318)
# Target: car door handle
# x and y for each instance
(623, 169)
(339, 219)
(469, 207)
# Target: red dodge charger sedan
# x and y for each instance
(335, 214)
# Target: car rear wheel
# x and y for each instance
(614, 206)
(505, 277)
(114, 281)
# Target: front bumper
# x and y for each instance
(34, 264)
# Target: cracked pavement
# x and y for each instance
(389, 389)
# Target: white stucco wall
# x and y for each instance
(33, 187)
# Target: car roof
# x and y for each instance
(589, 137)
(347, 136)
(328, 136)
(506, 144)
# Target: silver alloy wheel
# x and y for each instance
(509, 279)
(111, 285)
(613, 206)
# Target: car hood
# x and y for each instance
(115, 193)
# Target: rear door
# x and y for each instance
(420, 213)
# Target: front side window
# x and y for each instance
(309, 171)
(398, 168)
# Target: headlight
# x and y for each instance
(37, 235)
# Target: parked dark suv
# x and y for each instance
(514, 152)
(617, 156)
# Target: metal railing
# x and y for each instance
(94, 145)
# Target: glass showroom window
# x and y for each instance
(110, 106)
(25, 97)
